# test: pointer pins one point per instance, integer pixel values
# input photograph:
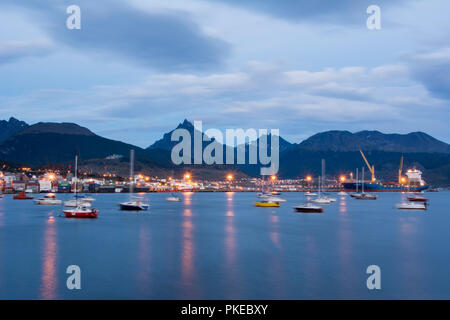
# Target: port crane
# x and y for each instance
(400, 178)
(371, 168)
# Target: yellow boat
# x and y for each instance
(267, 204)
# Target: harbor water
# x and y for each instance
(220, 246)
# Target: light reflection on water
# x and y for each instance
(49, 279)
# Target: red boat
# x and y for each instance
(22, 196)
(417, 198)
(81, 212)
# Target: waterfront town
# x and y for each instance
(54, 181)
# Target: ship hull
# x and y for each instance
(376, 187)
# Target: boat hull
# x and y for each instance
(378, 187)
(308, 209)
(91, 214)
(266, 204)
(127, 207)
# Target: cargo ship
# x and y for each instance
(413, 181)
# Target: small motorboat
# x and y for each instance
(417, 198)
(48, 199)
(275, 193)
(310, 194)
(267, 204)
(273, 198)
(22, 196)
(308, 208)
(134, 205)
(85, 198)
(365, 196)
(412, 206)
(81, 212)
(173, 198)
(74, 203)
(330, 198)
(321, 200)
(342, 193)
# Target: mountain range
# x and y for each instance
(46, 143)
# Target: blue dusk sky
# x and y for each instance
(139, 67)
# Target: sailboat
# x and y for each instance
(173, 198)
(363, 195)
(81, 210)
(320, 199)
(135, 203)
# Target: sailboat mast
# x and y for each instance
(76, 179)
(131, 170)
(357, 179)
(362, 187)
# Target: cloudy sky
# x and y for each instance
(139, 67)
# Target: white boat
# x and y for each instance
(173, 198)
(308, 208)
(118, 190)
(48, 199)
(321, 200)
(28, 191)
(272, 198)
(330, 198)
(85, 199)
(342, 193)
(412, 206)
(310, 194)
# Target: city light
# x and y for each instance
(230, 177)
(308, 178)
(273, 177)
(51, 176)
(342, 178)
(187, 176)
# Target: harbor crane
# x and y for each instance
(371, 168)
(400, 178)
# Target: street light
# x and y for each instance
(230, 177)
(187, 176)
(308, 178)
(342, 178)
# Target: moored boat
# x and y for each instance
(308, 208)
(48, 199)
(81, 211)
(267, 203)
(173, 198)
(74, 203)
(412, 206)
(417, 198)
(22, 196)
(134, 205)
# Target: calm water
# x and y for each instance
(218, 246)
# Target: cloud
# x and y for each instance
(432, 69)
(15, 50)
(165, 41)
(318, 11)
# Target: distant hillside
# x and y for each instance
(374, 140)
(10, 127)
(50, 143)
